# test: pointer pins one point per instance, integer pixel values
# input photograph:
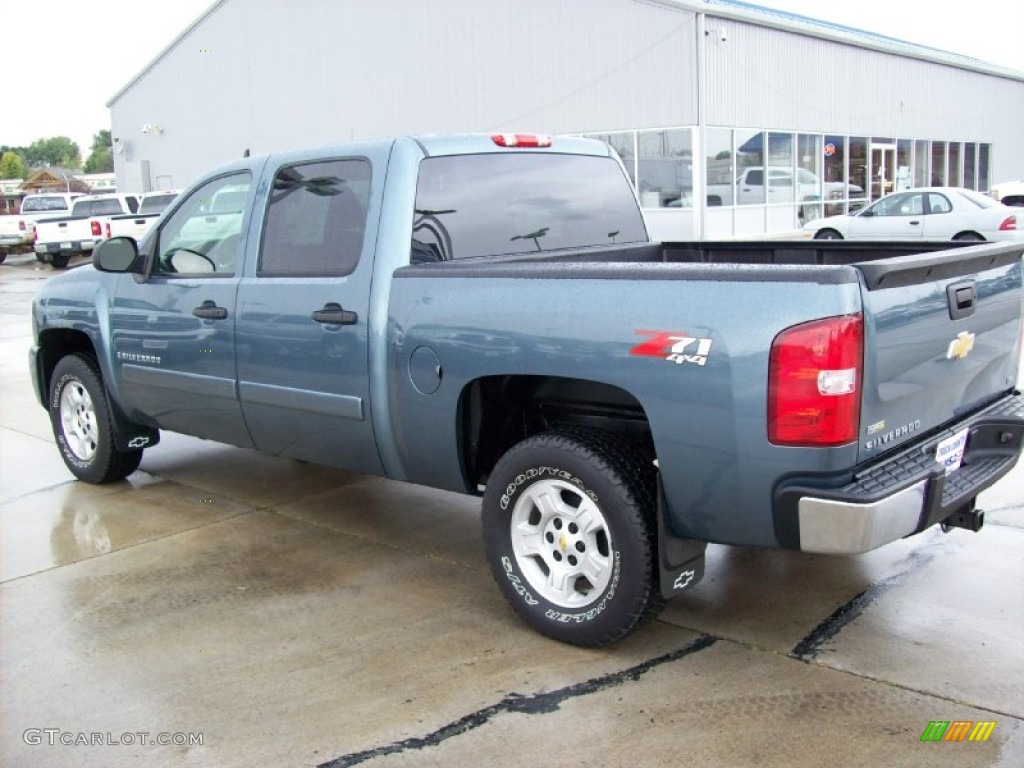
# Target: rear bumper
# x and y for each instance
(65, 246)
(903, 494)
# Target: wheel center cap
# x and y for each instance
(562, 542)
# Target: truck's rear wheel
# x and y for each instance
(80, 417)
(60, 260)
(569, 531)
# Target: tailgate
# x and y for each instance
(943, 337)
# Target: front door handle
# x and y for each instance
(210, 311)
(333, 314)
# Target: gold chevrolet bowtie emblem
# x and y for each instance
(961, 346)
(562, 542)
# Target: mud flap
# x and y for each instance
(680, 561)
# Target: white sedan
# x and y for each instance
(927, 213)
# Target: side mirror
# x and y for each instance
(119, 254)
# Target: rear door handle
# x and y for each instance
(210, 311)
(333, 314)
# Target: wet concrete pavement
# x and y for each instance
(294, 615)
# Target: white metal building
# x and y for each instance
(693, 95)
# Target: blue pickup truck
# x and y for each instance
(486, 314)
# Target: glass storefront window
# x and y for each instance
(809, 161)
(983, 179)
(665, 167)
(904, 179)
(750, 160)
(834, 152)
(720, 169)
(970, 151)
(920, 163)
(953, 175)
(938, 164)
(860, 184)
(781, 184)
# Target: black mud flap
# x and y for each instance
(680, 561)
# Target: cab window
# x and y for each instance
(316, 219)
(202, 236)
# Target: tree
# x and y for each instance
(57, 150)
(12, 166)
(101, 158)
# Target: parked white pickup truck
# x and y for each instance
(15, 235)
(750, 188)
(58, 239)
(138, 224)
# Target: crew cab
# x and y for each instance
(486, 314)
(58, 239)
(136, 225)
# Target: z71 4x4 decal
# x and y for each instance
(673, 346)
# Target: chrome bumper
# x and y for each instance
(904, 493)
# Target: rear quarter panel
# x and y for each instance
(708, 421)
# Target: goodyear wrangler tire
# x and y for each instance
(568, 523)
(80, 417)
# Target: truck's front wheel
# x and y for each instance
(80, 417)
(569, 531)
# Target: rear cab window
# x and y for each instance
(497, 204)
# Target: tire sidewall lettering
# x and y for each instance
(538, 473)
(593, 613)
(58, 389)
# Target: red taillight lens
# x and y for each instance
(814, 380)
(1009, 224)
(521, 140)
(96, 228)
(107, 227)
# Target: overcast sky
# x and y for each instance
(69, 57)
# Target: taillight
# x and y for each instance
(96, 228)
(814, 380)
(521, 140)
(1009, 224)
(107, 227)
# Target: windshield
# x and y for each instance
(485, 205)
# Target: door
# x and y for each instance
(900, 216)
(174, 334)
(883, 170)
(303, 313)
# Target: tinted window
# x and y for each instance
(316, 219)
(156, 203)
(32, 204)
(486, 205)
(202, 236)
(132, 203)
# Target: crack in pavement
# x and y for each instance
(535, 704)
(808, 648)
